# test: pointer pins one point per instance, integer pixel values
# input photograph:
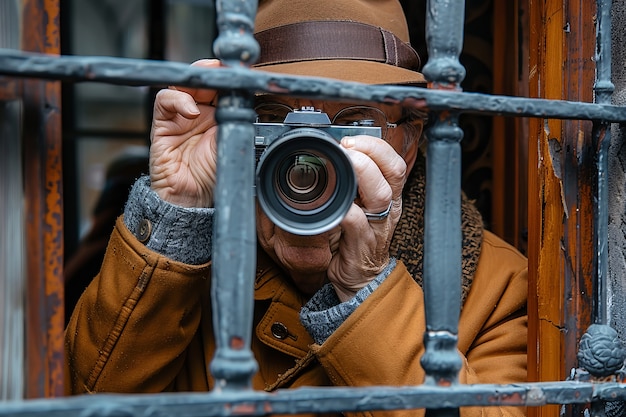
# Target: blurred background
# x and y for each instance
(102, 122)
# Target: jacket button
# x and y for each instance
(144, 230)
(279, 331)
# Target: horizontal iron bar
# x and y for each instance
(315, 400)
(135, 72)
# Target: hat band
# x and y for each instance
(324, 40)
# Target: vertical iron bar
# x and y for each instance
(601, 352)
(234, 247)
(603, 89)
(442, 234)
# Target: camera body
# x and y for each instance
(266, 133)
(305, 181)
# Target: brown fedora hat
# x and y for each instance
(365, 41)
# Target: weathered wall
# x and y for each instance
(617, 177)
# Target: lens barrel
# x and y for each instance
(305, 182)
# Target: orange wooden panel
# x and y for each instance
(561, 41)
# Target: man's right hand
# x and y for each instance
(183, 147)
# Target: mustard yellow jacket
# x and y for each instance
(144, 325)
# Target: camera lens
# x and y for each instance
(305, 182)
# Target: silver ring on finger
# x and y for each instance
(374, 217)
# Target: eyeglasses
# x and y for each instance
(348, 116)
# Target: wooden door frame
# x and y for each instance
(561, 173)
(544, 49)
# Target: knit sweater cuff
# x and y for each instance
(324, 313)
(179, 233)
(615, 409)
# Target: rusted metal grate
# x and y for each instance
(235, 242)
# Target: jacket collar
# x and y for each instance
(408, 239)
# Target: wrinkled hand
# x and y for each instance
(184, 150)
(363, 250)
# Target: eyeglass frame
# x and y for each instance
(384, 129)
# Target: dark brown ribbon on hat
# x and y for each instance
(325, 40)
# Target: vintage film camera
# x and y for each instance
(305, 181)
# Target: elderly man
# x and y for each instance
(340, 307)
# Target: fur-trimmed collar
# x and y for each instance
(408, 240)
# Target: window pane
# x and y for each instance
(110, 28)
(191, 30)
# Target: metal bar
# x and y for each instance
(234, 249)
(603, 89)
(315, 400)
(601, 353)
(442, 253)
(442, 225)
(134, 72)
(444, 39)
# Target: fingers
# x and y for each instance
(202, 96)
(380, 171)
(174, 102)
(363, 251)
(178, 117)
(183, 149)
(171, 102)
